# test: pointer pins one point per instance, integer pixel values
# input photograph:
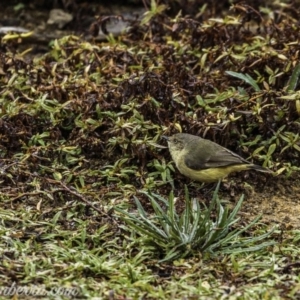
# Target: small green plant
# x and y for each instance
(246, 77)
(196, 229)
(154, 10)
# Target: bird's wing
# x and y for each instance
(214, 158)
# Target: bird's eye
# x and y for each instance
(175, 141)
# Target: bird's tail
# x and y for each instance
(260, 169)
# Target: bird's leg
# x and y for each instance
(214, 188)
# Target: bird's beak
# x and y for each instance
(160, 146)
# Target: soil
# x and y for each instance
(279, 203)
(277, 199)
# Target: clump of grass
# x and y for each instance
(206, 230)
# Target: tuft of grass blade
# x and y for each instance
(177, 236)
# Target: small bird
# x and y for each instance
(204, 160)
